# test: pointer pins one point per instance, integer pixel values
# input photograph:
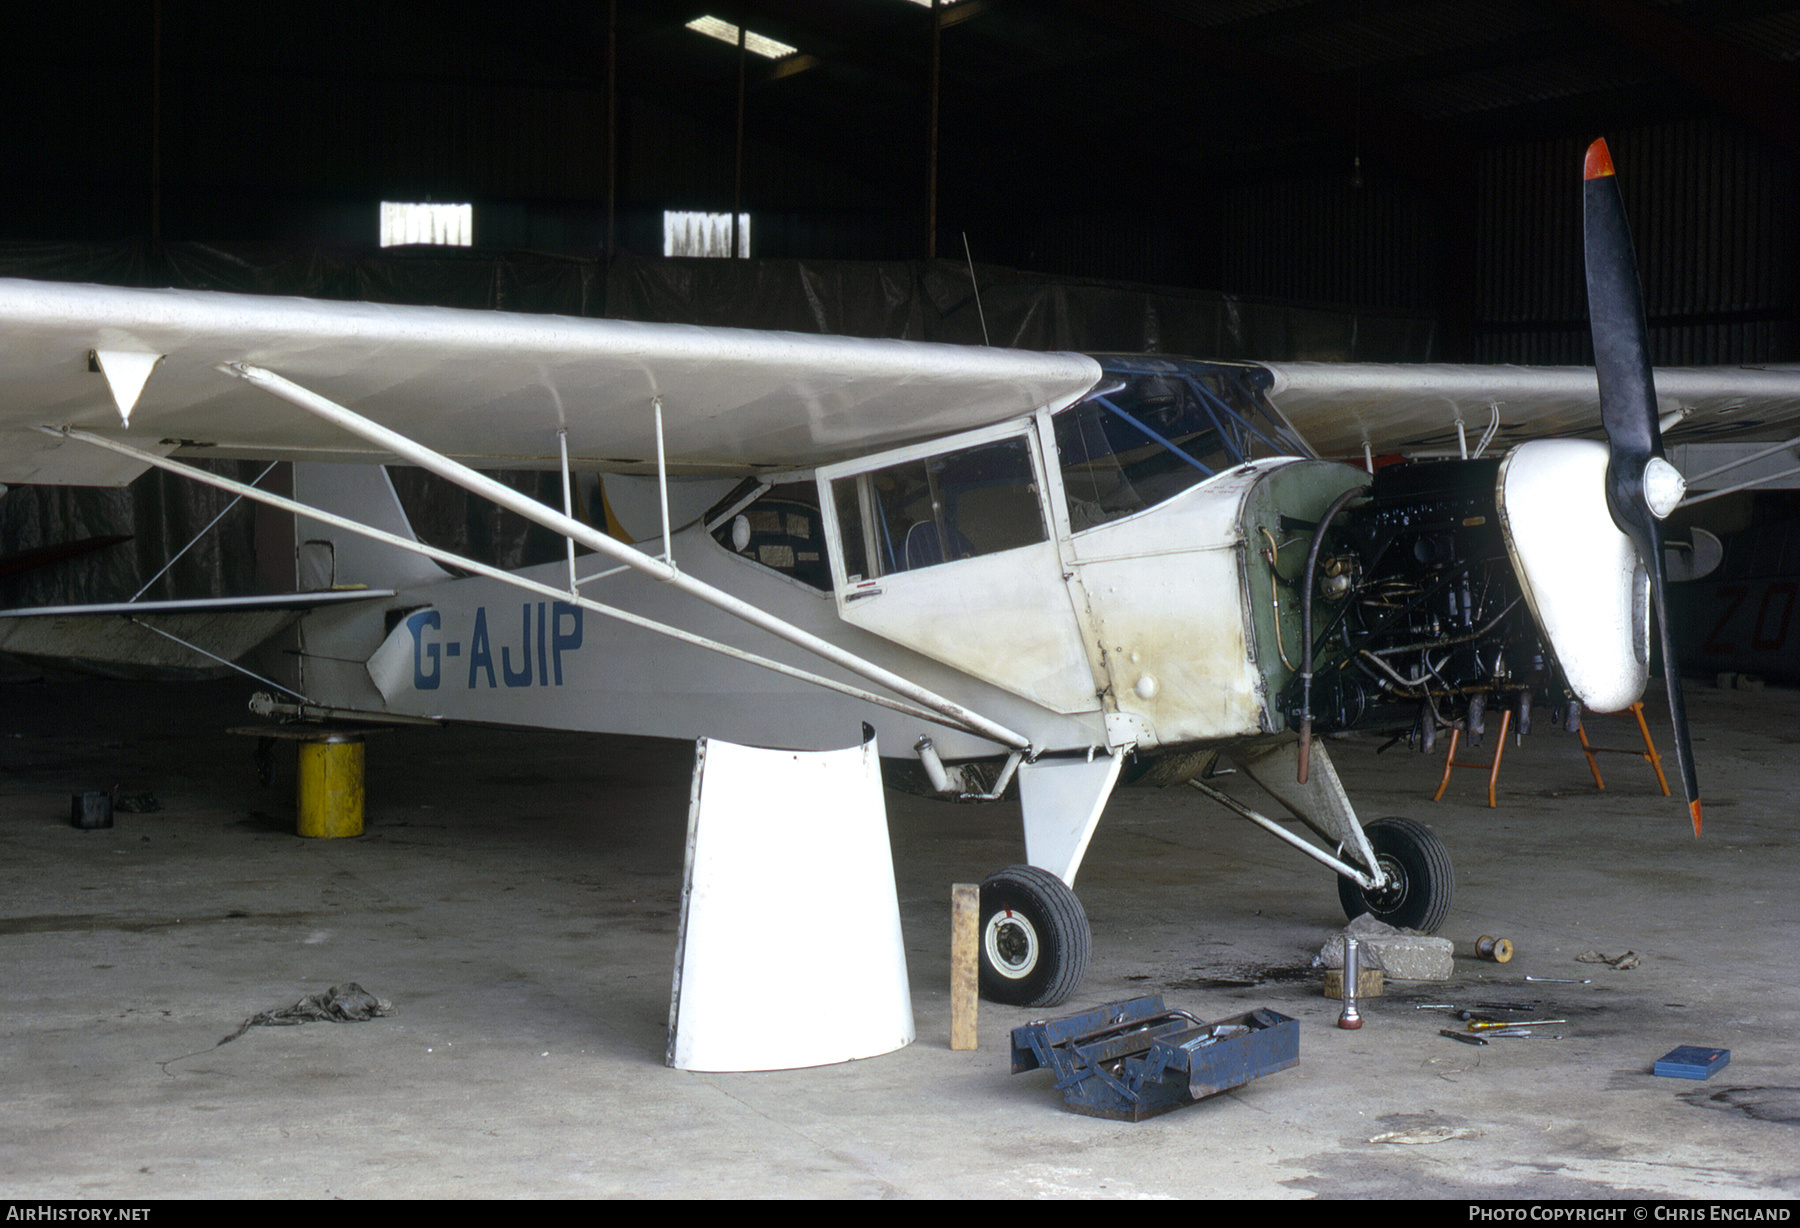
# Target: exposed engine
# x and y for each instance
(1419, 614)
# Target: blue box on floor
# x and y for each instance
(1692, 1062)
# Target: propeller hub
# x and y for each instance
(1663, 487)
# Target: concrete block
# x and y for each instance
(1400, 954)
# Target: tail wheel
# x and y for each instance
(1034, 938)
(1421, 883)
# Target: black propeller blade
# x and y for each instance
(1641, 487)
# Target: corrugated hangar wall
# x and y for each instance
(1712, 211)
(1328, 239)
(302, 141)
(1713, 219)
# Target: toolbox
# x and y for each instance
(1135, 1059)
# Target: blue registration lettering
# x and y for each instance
(423, 652)
(481, 654)
(543, 666)
(559, 640)
(520, 677)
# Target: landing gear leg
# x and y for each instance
(1416, 881)
(1034, 938)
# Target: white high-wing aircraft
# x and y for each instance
(1044, 568)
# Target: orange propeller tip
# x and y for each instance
(1599, 161)
(1694, 813)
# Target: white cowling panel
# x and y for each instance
(1579, 572)
(791, 952)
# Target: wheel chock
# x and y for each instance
(1135, 1059)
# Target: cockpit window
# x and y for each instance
(938, 509)
(1154, 427)
(781, 530)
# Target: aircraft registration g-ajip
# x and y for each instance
(1040, 568)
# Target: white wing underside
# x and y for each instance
(1408, 408)
(489, 388)
(494, 388)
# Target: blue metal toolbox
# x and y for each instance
(1134, 1059)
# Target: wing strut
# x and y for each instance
(1740, 462)
(932, 707)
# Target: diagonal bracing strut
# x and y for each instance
(924, 704)
(461, 563)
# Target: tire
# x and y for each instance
(1419, 864)
(1034, 939)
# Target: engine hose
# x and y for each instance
(1306, 612)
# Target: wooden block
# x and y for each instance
(1368, 983)
(965, 976)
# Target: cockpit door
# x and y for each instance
(949, 548)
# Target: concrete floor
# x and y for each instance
(516, 897)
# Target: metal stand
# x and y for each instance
(1648, 753)
(1492, 769)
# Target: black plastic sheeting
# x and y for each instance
(935, 301)
(917, 300)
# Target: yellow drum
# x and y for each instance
(331, 786)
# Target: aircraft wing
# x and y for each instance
(493, 388)
(1339, 407)
(488, 388)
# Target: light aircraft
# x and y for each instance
(1040, 568)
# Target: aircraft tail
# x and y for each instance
(330, 557)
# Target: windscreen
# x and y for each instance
(1154, 427)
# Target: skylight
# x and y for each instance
(446, 225)
(725, 32)
(687, 233)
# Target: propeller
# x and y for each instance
(1641, 486)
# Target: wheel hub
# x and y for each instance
(1385, 899)
(1011, 943)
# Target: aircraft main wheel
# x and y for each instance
(1421, 882)
(1034, 938)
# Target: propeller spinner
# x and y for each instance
(1641, 486)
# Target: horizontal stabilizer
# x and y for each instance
(168, 640)
(22, 561)
(206, 605)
